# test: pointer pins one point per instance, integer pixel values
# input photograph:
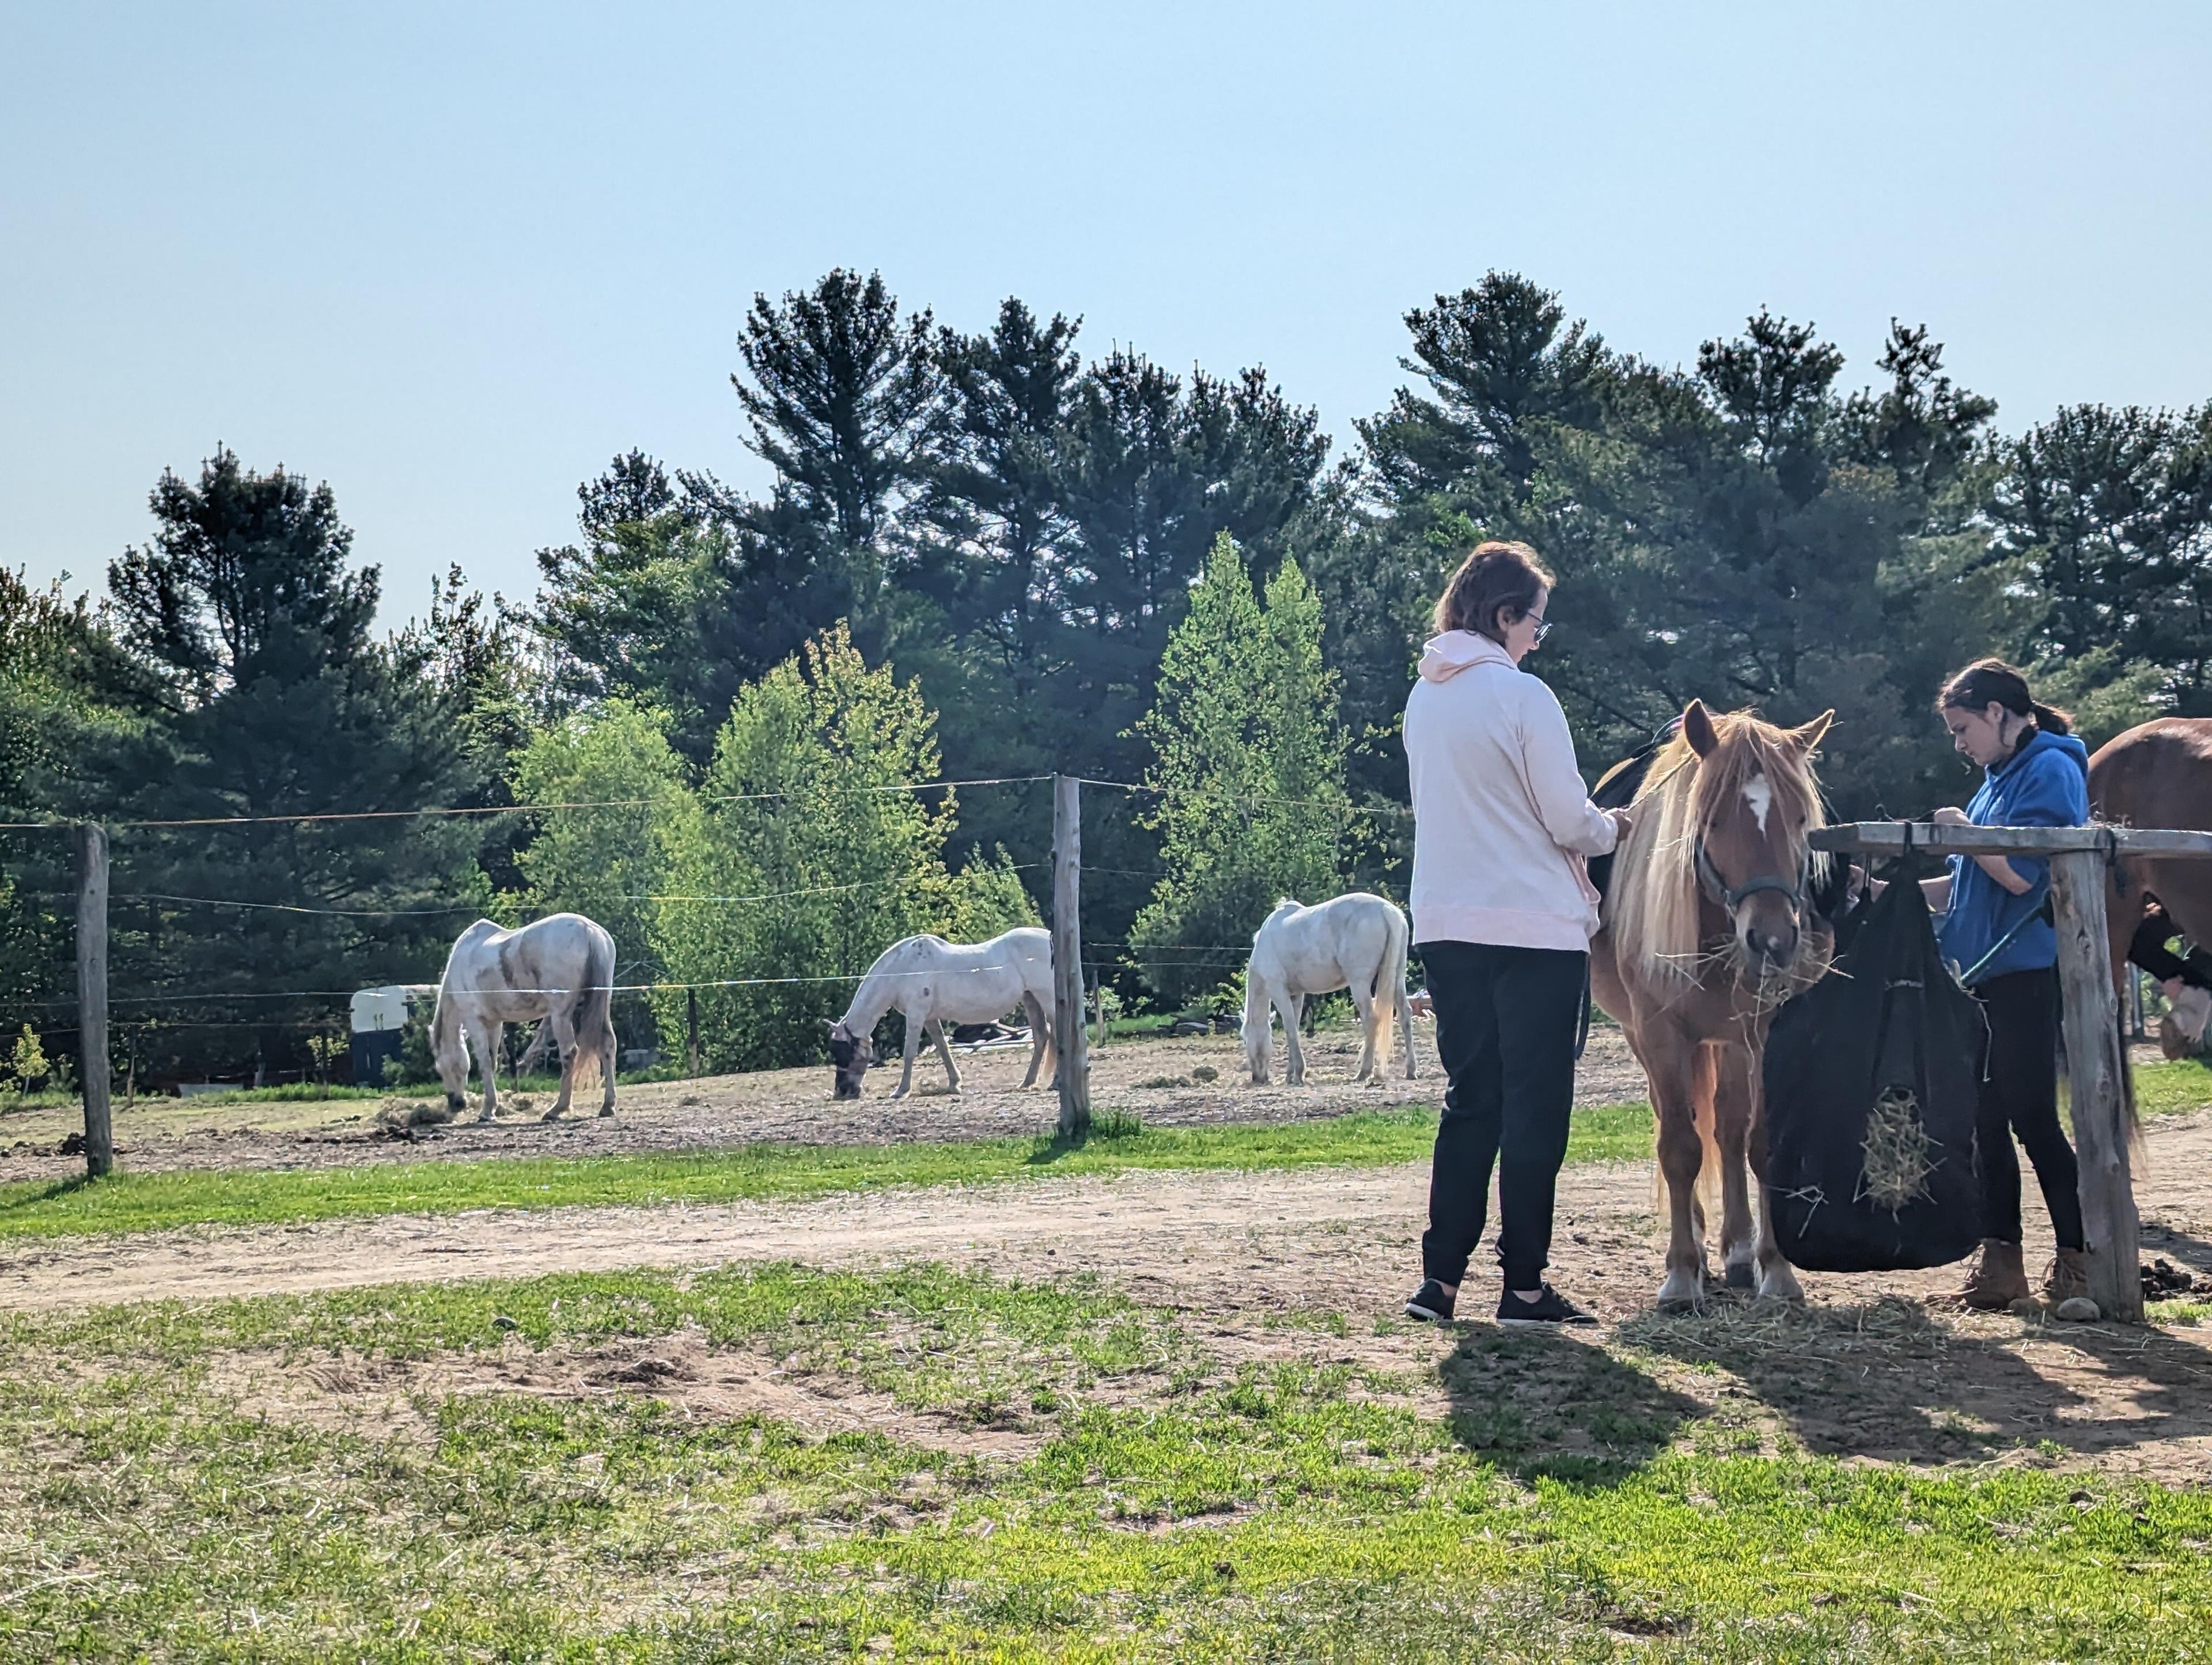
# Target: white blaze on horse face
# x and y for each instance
(1758, 792)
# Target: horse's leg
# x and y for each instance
(564, 1037)
(1292, 1007)
(1670, 1061)
(913, 1050)
(937, 1034)
(1405, 1023)
(1047, 1062)
(483, 1036)
(607, 1072)
(1732, 1110)
(1040, 1033)
(1371, 1017)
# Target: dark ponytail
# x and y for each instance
(1992, 682)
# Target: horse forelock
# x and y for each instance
(1654, 919)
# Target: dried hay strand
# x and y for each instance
(1899, 1155)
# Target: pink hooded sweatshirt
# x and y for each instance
(1502, 822)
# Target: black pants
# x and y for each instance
(2020, 1095)
(1505, 1034)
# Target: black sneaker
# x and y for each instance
(1429, 1303)
(1549, 1308)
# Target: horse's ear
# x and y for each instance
(1698, 729)
(1811, 734)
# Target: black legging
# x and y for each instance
(1505, 1034)
(2020, 1095)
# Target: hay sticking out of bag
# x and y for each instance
(1899, 1155)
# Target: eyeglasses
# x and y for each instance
(1543, 630)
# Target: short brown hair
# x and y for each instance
(1992, 682)
(1495, 575)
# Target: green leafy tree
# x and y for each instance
(616, 862)
(70, 693)
(1249, 765)
(812, 855)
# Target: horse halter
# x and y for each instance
(1710, 880)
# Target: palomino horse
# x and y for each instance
(2159, 775)
(934, 982)
(1708, 925)
(561, 968)
(1356, 941)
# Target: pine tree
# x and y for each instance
(274, 702)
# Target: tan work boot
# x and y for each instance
(1999, 1278)
(2068, 1276)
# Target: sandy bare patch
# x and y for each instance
(389, 1397)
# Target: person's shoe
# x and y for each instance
(2066, 1277)
(1999, 1278)
(1429, 1304)
(1550, 1306)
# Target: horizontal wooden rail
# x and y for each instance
(1884, 837)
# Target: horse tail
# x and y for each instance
(594, 1011)
(1389, 993)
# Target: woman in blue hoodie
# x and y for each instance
(2036, 774)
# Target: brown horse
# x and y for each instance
(1708, 925)
(2159, 775)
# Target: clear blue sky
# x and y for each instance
(451, 259)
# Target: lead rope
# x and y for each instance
(1582, 1022)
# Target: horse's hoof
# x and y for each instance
(607, 1114)
(1781, 1286)
(1683, 1292)
(1741, 1276)
(550, 1116)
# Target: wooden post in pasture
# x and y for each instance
(1070, 1038)
(92, 996)
(2096, 1066)
(691, 1029)
(2097, 1069)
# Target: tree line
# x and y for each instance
(988, 555)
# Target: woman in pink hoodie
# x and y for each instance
(1502, 914)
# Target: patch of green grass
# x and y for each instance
(140, 1202)
(1175, 1502)
(2173, 1088)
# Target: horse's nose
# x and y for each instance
(1774, 947)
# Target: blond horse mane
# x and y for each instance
(1654, 905)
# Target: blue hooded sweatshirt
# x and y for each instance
(2045, 783)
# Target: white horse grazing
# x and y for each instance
(560, 968)
(1357, 942)
(935, 982)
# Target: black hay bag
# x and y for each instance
(1870, 1080)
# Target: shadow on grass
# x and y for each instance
(1891, 1381)
(1550, 1406)
(36, 1195)
(1107, 1127)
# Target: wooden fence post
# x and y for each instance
(2096, 1072)
(692, 1027)
(92, 996)
(1069, 1035)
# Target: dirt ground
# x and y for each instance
(1873, 1368)
(1156, 1079)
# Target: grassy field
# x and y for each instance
(138, 1202)
(165, 1493)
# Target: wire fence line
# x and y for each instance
(55, 823)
